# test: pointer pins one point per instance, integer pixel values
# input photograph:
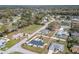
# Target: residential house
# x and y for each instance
(17, 36)
(75, 49)
(75, 24)
(36, 43)
(44, 32)
(3, 41)
(62, 34)
(56, 48)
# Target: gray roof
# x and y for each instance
(45, 31)
(1, 42)
(56, 46)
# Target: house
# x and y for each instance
(75, 49)
(45, 20)
(1, 23)
(66, 23)
(62, 33)
(75, 24)
(56, 48)
(44, 32)
(4, 38)
(75, 34)
(36, 43)
(58, 17)
(17, 36)
(2, 43)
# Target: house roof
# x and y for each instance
(75, 48)
(75, 33)
(37, 42)
(62, 33)
(45, 31)
(75, 19)
(56, 46)
(2, 41)
(18, 35)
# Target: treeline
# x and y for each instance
(65, 11)
(12, 20)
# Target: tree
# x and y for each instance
(3, 28)
(69, 45)
(54, 25)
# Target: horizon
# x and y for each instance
(39, 6)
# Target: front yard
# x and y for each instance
(10, 44)
(34, 49)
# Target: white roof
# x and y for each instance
(1, 23)
(75, 19)
(61, 29)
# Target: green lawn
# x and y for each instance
(10, 44)
(31, 28)
(34, 49)
(16, 52)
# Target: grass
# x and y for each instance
(34, 49)
(16, 52)
(10, 44)
(2, 28)
(32, 28)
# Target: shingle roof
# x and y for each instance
(56, 46)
